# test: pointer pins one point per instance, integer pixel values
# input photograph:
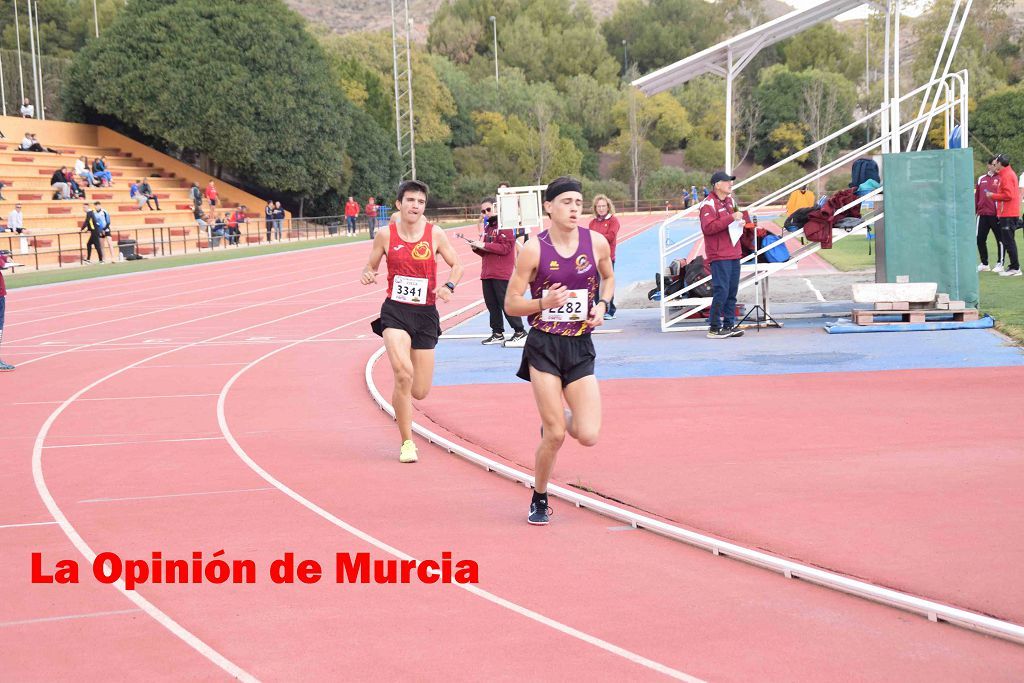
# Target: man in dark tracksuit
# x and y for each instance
(716, 213)
(95, 231)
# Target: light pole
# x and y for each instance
(96, 18)
(494, 25)
(625, 49)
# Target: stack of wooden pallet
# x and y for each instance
(904, 302)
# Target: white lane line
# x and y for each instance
(131, 443)
(173, 495)
(17, 526)
(195, 320)
(115, 398)
(189, 365)
(66, 617)
(814, 289)
(86, 551)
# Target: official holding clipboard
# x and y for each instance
(718, 212)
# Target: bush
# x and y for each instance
(615, 190)
(669, 182)
(704, 154)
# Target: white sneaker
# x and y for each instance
(1010, 273)
(998, 268)
(982, 268)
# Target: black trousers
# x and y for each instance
(1007, 227)
(987, 224)
(494, 297)
(94, 241)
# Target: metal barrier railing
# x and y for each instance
(37, 250)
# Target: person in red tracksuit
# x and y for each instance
(717, 211)
(351, 213)
(1007, 198)
(988, 221)
(607, 224)
(497, 252)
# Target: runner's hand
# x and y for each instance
(595, 320)
(368, 278)
(443, 293)
(557, 295)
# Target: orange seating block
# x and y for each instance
(144, 249)
(154, 220)
(252, 239)
(39, 242)
(178, 232)
(202, 244)
(29, 197)
(127, 207)
(70, 258)
(121, 236)
(102, 195)
(183, 207)
(23, 160)
(58, 209)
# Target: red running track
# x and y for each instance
(195, 422)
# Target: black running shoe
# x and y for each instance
(540, 513)
(733, 331)
(718, 334)
(495, 338)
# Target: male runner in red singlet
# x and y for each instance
(408, 321)
(562, 268)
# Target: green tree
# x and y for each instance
(290, 137)
(433, 102)
(995, 124)
(823, 47)
(705, 154)
(787, 138)
(435, 166)
(660, 32)
(781, 93)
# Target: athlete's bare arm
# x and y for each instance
(447, 252)
(603, 254)
(380, 247)
(516, 302)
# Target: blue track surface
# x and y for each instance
(642, 351)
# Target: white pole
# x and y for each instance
(32, 49)
(728, 112)
(39, 49)
(885, 82)
(408, 74)
(17, 37)
(896, 76)
(3, 92)
(96, 18)
(867, 69)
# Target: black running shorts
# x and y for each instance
(422, 323)
(570, 358)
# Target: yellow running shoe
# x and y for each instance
(408, 453)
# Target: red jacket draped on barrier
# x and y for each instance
(818, 227)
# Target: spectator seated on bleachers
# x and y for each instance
(99, 170)
(28, 111)
(83, 172)
(29, 143)
(15, 222)
(59, 183)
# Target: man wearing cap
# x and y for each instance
(569, 272)
(717, 211)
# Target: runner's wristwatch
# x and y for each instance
(607, 304)
(450, 286)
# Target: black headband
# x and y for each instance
(558, 187)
